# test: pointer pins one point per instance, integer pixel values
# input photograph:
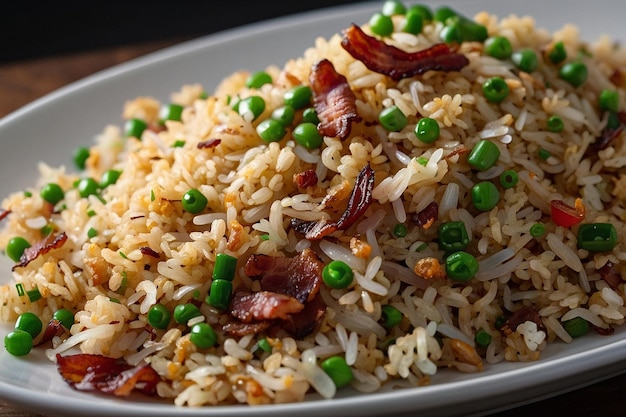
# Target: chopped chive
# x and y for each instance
(123, 255)
(123, 284)
(422, 161)
(265, 237)
(46, 230)
(28, 194)
(544, 154)
(114, 300)
(152, 196)
(421, 247)
(20, 289)
(178, 144)
(92, 232)
(91, 213)
(33, 295)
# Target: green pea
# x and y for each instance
(159, 316)
(225, 267)
(498, 47)
(458, 29)
(18, 342)
(485, 195)
(483, 155)
(443, 13)
(574, 73)
(338, 370)
(392, 119)
(254, 105)
(427, 130)
(482, 338)
(422, 10)
(29, 322)
(390, 316)
(203, 336)
(306, 134)
(284, 115)
(16, 247)
(558, 53)
(400, 230)
(135, 127)
(310, 115)
(65, 316)
(576, 327)
(413, 22)
(80, 157)
(337, 274)
(609, 100)
(525, 59)
(298, 97)
(185, 312)
(495, 89)
(509, 178)
(461, 266)
(87, 187)
(109, 177)
(555, 124)
(194, 201)
(52, 193)
(171, 112)
(271, 130)
(381, 25)
(220, 294)
(393, 7)
(453, 236)
(258, 79)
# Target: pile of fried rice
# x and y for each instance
(111, 256)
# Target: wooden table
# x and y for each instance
(22, 82)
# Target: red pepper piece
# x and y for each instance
(566, 215)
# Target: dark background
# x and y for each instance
(35, 29)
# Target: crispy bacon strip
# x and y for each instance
(237, 328)
(40, 248)
(334, 101)
(148, 251)
(303, 323)
(54, 328)
(262, 305)
(299, 277)
(426, 217)
(86, 372)
(396, 63)
(4, 213)
(360, 200)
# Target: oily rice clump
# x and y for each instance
(132, 245)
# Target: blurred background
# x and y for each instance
(45, 45)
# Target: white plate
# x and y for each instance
(52, 127)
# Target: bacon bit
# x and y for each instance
(41, 248)
(602, 331)
(465, 353)
(429, 268)
(427, 216)
(263, 305)
(459, 150)
(237, 328)
(520, 316)
(148, 251)
(4, 213)
(608, 136)
(54, 328)
(211, 143)
(234, 239)
(333, 100)
(305, 179)
(396, 63)
(359, 248)
(86, 372)
(360, 200)
(303, 323)
(299, 277)
(610, 275)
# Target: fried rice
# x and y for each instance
(133, 244)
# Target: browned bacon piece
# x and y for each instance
(305, 179)
(262, 305)
(4, 213)
(40, 248)
(360, 200)
(211, 143)
(237, 328)
(86, 372)
(610, 274)
(396, 63)
(54, 328)
(299, 277)
(522, 315)
(303, 323)
(148, 251)
(334, 101)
